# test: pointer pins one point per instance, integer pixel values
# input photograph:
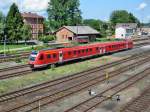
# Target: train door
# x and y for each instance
(100, 51)
(60, 56)
(104, 50)
(127, 45)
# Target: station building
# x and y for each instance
(125, 30)
(76, 33)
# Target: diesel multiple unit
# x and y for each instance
(47, 57)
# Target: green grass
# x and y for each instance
(9, 47)
(106, 39)
(49, 74)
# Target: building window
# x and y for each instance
(63, 36)
(129, 30)
(70, 38)
(66, 36)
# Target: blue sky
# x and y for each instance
(97, 9)
(101, 9)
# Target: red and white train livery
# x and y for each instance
(52, 56)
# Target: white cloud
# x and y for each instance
(142, 6)
(34, 5)
(148, 17)
(38, 6)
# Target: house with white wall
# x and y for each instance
(125, 30)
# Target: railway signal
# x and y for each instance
(118, 97)
(92, 93)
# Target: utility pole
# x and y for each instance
(39, 103)
(37, 28)
(4, 39)
(4, 45)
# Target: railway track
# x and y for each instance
(21, 70)
(141, 44)
(64, 79)
(92, 103)
(139, 104)
(14, 71)
(14, 57)
(62, 88)
(140, 39)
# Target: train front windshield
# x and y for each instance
(33, 55)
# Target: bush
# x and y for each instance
(47, 38)
(106, 39)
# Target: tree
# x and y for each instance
(96, 24)
(99, 25)
(47, 38)
(133, 19)
(14, 23)
(26, 32)
(63, 12)
(122, 16)
(2, 18)
(74, 13)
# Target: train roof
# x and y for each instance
(81, 47)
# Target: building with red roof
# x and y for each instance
(36, 23)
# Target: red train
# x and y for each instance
(46, 57)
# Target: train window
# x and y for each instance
(87, 50)
(32, 58)
(41, 57)
(90, 49)
(79, 51)
(97, 48)
(48, 56)
(54, 55)
(34, 52)
(74, 52)
(69, 53)
(83, 51)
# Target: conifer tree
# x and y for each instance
(14, 23)
(1, 25)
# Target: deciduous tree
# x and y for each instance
(64, 12)
(26, 32)
(103, 27)
(122, 16)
